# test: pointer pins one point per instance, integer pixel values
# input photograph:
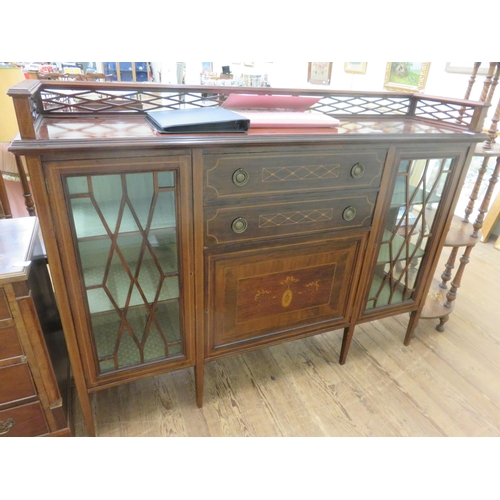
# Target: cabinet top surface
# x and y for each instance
(16, 245)
(90, 114)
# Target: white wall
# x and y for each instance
(294, 75)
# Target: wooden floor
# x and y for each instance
(443, 384)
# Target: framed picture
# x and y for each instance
(206, 66)
(355, 67)
(466, 68)
(406, 76)
(319, 72)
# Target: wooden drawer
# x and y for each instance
(23, 421)
(15, 383)
(242, 223)
(254, 174)
(9, 343)
(255, 296)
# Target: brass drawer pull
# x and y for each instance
(357, 171)
(349, 213)
(6, 426)
(240, 177)
(239, 225)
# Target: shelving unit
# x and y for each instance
(127, 71)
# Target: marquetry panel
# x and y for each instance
(272, 293)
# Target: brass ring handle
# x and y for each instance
(349, 213)
(6, 426)
(239, 225)
(357, 171)
(240, 177)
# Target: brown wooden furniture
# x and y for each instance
(127, 71)
(169, 251)
(463, 234)
(34, 365)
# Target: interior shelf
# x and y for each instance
(88, 224)
(384, 293)
(400, 195)
(130, 351)
(392, 244)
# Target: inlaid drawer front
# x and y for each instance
(273, 292)
(23, 421)
(258, 174)
(230, 224)
(15, 383)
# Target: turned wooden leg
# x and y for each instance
(449, 266)
(483, 209)
(28, 198)
(199, 378)
(455, 284)
(346, 342)
(442, 321)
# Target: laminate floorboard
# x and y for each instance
(442, 384)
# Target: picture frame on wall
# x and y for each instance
(406, 76)
(355, 67)
(319, 73)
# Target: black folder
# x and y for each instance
(197, 120)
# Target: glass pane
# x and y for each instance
(140, 190)
(409, 223)
(166, 179)
(130, 271)
(78, 185)
(164, 211)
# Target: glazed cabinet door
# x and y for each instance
(414, 216)
(125, 230)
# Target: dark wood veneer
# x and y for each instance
(301, 265)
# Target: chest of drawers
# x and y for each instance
(34, 368)
(170, 251)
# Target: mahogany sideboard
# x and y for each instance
(34, 366)
(168, 251)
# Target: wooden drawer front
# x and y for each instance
(23, 421)
(15, 383)
(249, 222)
(267, 293)
(5, 314)
(9, 343)
(228, 176)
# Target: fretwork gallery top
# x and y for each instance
(85, 114)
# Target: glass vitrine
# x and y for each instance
(409, 226)
(126, 236)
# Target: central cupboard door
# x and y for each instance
(129, 223)
(264, 295)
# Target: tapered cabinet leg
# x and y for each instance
(199, 378)
(412, 324)
(346, 343)
(86, 406)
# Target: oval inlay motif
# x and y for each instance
(286, 300)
